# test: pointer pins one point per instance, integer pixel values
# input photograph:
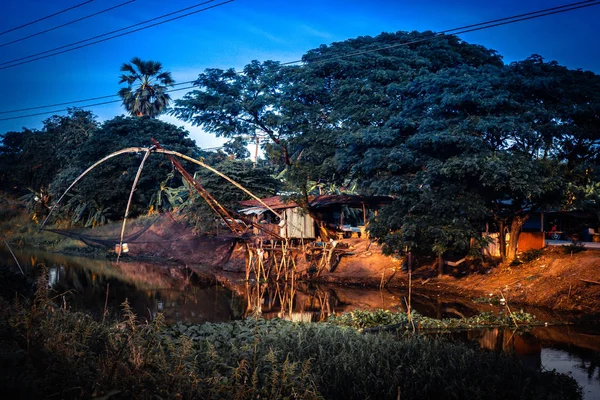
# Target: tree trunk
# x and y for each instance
(440, 265)
(515, 231)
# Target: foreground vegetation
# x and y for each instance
(48, 352)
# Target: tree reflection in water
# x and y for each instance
(299, 301)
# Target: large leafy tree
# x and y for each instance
(459, 137)
(456, 135)
(503, 133)
(260, 103)
(147, 85)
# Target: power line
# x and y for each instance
(16, 62)
(85, 106)
(460, 30)
(77, 101)
(46, 17)
(67, 23)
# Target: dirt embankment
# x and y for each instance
(558, 281)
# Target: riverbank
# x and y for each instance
(91, 286)
(554, 278)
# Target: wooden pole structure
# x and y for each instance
(256, 151)
(84, 173)
(135, 181)
(364, 214)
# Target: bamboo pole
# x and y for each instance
(163, 151)
(248, 262)
(509, 311)
(135, 181)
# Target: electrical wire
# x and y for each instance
(46, 17)
(77, 101)
(34, 57)
(84, 106)
(442, 34)
(67, 23)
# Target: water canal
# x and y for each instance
(100, 286)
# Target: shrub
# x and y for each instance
(576, 246)
(531, 255)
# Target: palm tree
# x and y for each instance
(146, 92)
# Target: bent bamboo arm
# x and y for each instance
(116, 153)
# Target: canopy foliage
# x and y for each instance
(459, 137)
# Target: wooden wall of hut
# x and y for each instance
(531, 241)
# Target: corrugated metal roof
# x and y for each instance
(327, 200)
(274, 202)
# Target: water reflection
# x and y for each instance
(572, 350)
(96, 286)
(301, 302)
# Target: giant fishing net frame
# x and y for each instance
(228, 241)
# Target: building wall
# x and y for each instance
(527, 241)
(531, 241)
(298, 225)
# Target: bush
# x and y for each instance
(531, 255)
(575, 247)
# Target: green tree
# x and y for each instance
(447, 123)
(386, 120)
(147, 84)
(259, 103)
(31, 158)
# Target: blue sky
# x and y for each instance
(234, 34)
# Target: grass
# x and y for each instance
(48, 352)
(20, 230)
